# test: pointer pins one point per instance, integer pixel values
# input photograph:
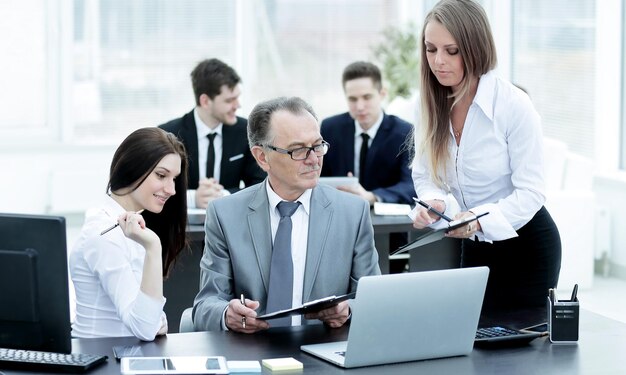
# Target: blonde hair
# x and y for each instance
(467, 22)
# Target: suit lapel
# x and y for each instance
(347, 153)
(190, 136)
(228, 141)
(378, 142)
(319, 227)
(259, 226)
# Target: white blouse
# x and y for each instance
(106, 271)
(498, 165)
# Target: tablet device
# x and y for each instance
(309, 307)
(174, 365)
(339, 181)
(435, 235)
(120, 351)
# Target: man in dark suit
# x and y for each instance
(379, 158)
(215, 138)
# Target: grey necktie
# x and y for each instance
(280, 293)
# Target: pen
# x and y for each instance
(243, 318)
(431, 209)
(574, 292)
(116, 225)
(552, 295)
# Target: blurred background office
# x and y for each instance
(79, 75)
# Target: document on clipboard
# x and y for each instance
(434, 235)
(309, 307)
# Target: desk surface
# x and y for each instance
(600, 350)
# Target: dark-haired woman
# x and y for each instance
(118, 274)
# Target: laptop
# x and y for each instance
(410, 316)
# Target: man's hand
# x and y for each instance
(208, 189)
(242, 318)
(334, 317)
(359, 190)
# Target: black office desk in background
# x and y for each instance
(440, 255)
(600, 350)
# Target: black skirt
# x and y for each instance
(521, 269)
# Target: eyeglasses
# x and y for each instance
(303, 152)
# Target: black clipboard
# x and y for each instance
(309, 307)
(434, 235)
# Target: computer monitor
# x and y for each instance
(34, 294)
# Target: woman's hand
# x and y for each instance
(466, 231)
(134, 227)
(424, 217)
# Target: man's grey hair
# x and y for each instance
(259, 121)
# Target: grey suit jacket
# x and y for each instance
(238, 250)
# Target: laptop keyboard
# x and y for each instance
(31, 360)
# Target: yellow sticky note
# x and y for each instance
(281, 364)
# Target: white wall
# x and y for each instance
(611, 195)
(53, 178)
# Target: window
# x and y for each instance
(553, 58)
(24, 94)
(91, 71)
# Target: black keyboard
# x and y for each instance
(31, 360)
(503, 336)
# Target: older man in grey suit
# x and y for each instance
(332, 240)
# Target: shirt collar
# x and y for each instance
(485, 94)
(203, 129)
(371, 131)
(274, 199)
(112, 208)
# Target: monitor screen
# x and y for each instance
(34, 294)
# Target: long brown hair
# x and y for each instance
(133, 161)
(468, 24)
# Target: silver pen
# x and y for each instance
(116, 225)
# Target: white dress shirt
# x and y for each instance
(202, 131)
(358, 141)
(106, 271)
(299, 238)
(498, 165)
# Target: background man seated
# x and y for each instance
(368, 143)
(215, 138)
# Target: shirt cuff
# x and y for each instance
(191, 198)
(148, 307)
(494, 227)
(223, 323)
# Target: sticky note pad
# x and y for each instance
(243, 366)
(282, 364)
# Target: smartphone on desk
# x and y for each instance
(174, 365)
(120, 351)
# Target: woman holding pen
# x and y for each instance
(128, 245)
(480, 140)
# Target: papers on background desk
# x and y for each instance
(391, 209)
(339, 181)
(196, 215)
